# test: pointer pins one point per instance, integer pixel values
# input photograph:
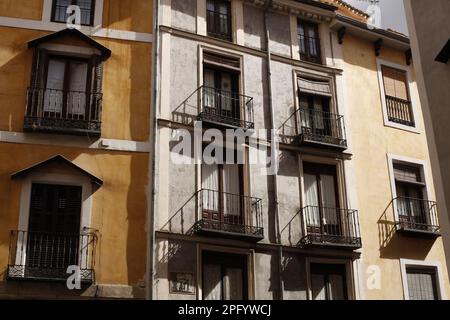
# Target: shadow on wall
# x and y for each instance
(395, 246)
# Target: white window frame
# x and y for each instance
(423, 165)
(436, 265)
(412, 96)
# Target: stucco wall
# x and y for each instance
(424, 20)
(280, 35)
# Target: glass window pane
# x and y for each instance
(421, 284)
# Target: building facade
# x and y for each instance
(431, 56)
(350, 212)
(74, 147)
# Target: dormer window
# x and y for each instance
(65, 94)
(87, 10)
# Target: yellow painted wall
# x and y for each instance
(372, 141)
(118, 210)
(117, 15)
(24, 9)
(126, 84)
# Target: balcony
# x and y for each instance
(416, 217)
(307, 127)
(400, 111)
(44, 256)
(218, 108)
(67, 112)
(330, 228)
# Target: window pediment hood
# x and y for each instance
(105, 52)
(58, 160)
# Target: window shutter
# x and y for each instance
(322, 88)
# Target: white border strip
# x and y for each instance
(404, 263)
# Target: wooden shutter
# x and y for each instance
(395, 83)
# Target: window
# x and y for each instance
(410, 190)
(224, 276)
(309, 41)
(422, 284)
(218, 19)
(398, 102)
(87, 8)
(328, 282)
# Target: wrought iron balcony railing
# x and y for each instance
(314, 128)
(47, 256)
(417, 216)
(218, 107)
(400, 111)
(59, 111)
(330, 227)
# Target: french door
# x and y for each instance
(54, 230)
(321, 199)
(314, 115)
(224, 276)
(221, 198)
(221, 93)
(65, 94)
